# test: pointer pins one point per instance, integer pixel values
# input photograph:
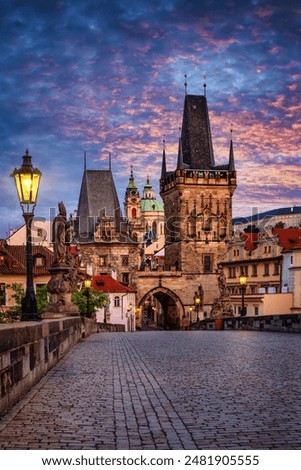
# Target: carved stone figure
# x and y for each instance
(222, 306)
(60, 235)
(64, 272)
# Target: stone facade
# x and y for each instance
(197, 198)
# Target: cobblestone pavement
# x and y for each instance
(166, 390)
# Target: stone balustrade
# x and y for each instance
(29, 349)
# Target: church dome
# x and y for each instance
(148, 205)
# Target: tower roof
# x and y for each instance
(132, 187)
(98, 196)
(196, 134)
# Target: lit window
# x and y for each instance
(39, 261)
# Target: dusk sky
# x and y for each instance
(108, 76)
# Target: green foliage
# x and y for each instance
(96, 300)
(280, 224)
(42, 298)
(14, 313)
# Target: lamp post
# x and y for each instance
(243, 282)
(197, 301)
(87, 283)
(27, 181)
(190, 314)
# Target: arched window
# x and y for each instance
(207, 221)
(222, 228)
(154, 228)
(116, 301)
(134, 212)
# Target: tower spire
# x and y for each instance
(110, 161)
(185, 84)
(231, 153)
(163, 168)
(204, 85)
(180, 163)
(85, 160)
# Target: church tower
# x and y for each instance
(132, 200)
(197, 198)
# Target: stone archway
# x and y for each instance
(161, 308)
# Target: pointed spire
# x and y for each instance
(180, 163)
(204, 85)
(185, 84)
(231, 154)
(85, 160)
(110, 161)
(132, 187)
(163, 168)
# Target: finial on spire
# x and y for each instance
(110, 161)
(204, 85)
(185, 84)
(231, 131)
(85, 160)
(163, 168)
(132, 176)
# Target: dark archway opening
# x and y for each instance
(160, 311)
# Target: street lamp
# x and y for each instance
(27, 181)
(197, 301)
(190, 315)
(243, 282)
(87, 283)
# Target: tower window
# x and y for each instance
(134, 212)
(207, 263)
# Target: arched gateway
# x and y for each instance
(161, 307)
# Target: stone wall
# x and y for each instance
(29, 350)
(289, 323)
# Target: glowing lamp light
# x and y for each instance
(27, 181)
(88, 282)
(197, 301)
(243, 280)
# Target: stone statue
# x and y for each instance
(64, 270)
(222, 307)
(60, 235)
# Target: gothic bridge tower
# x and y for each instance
(197, 199)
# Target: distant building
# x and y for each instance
(121, 307)
(145, 217)
(13, 269)
(285, 217)
(106, 246)
(40, 234)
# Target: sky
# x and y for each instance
(101, 76)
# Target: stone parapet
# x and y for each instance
(28, 350)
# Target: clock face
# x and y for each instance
(133, 200)
(133, 193)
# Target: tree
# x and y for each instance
(15, 312)
(96, 300)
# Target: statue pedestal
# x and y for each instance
(61, 285)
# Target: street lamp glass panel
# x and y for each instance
(87, 283)
(27, 181)
(197, 301)
(243, 280)
(27, 185)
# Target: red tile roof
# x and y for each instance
(14, 259)
(106, 283)
(288, 237)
